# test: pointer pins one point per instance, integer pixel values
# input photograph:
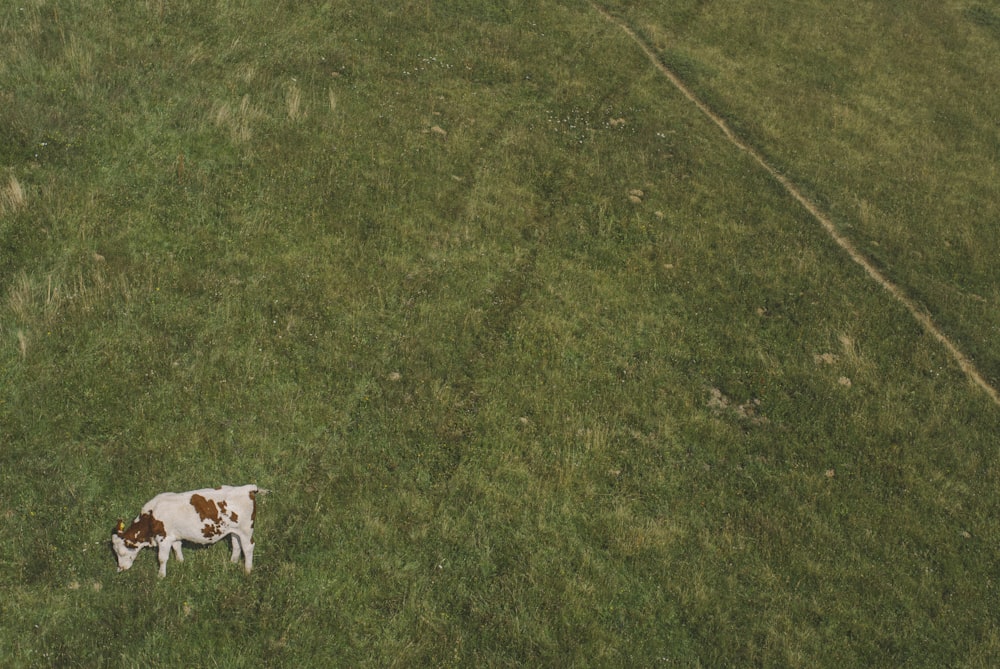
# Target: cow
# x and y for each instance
(200, 516)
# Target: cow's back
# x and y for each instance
(205, 515)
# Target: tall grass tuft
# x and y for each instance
(293, 102)
(12, 196)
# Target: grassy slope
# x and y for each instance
(420, 306)
(884, 113)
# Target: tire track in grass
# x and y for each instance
(919, 314)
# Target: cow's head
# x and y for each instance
(127, 542)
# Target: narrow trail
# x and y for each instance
(843, 242)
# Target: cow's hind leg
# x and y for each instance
(246, 540)
(177, 551)
(236, 548)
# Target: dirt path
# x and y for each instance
(918, 313)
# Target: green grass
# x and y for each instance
(881, 114)
(393, 263)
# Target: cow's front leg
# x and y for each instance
(164, 555)
(177, 551)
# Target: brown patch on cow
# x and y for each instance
(156, 527)
(143, 530)
(222, 506)
(233, 517)
(210, 530)
(206, 508)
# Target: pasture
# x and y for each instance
(540, 368)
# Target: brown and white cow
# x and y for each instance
(199, 516)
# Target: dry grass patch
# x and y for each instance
(722, 405)
(850, 350)
(12, 197)
(293, 102)
(37, 302)
(79, 57)
(22, 343)
(21, 296)
(239, 121)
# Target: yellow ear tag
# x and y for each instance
(121, 525)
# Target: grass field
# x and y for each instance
(541, 370)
